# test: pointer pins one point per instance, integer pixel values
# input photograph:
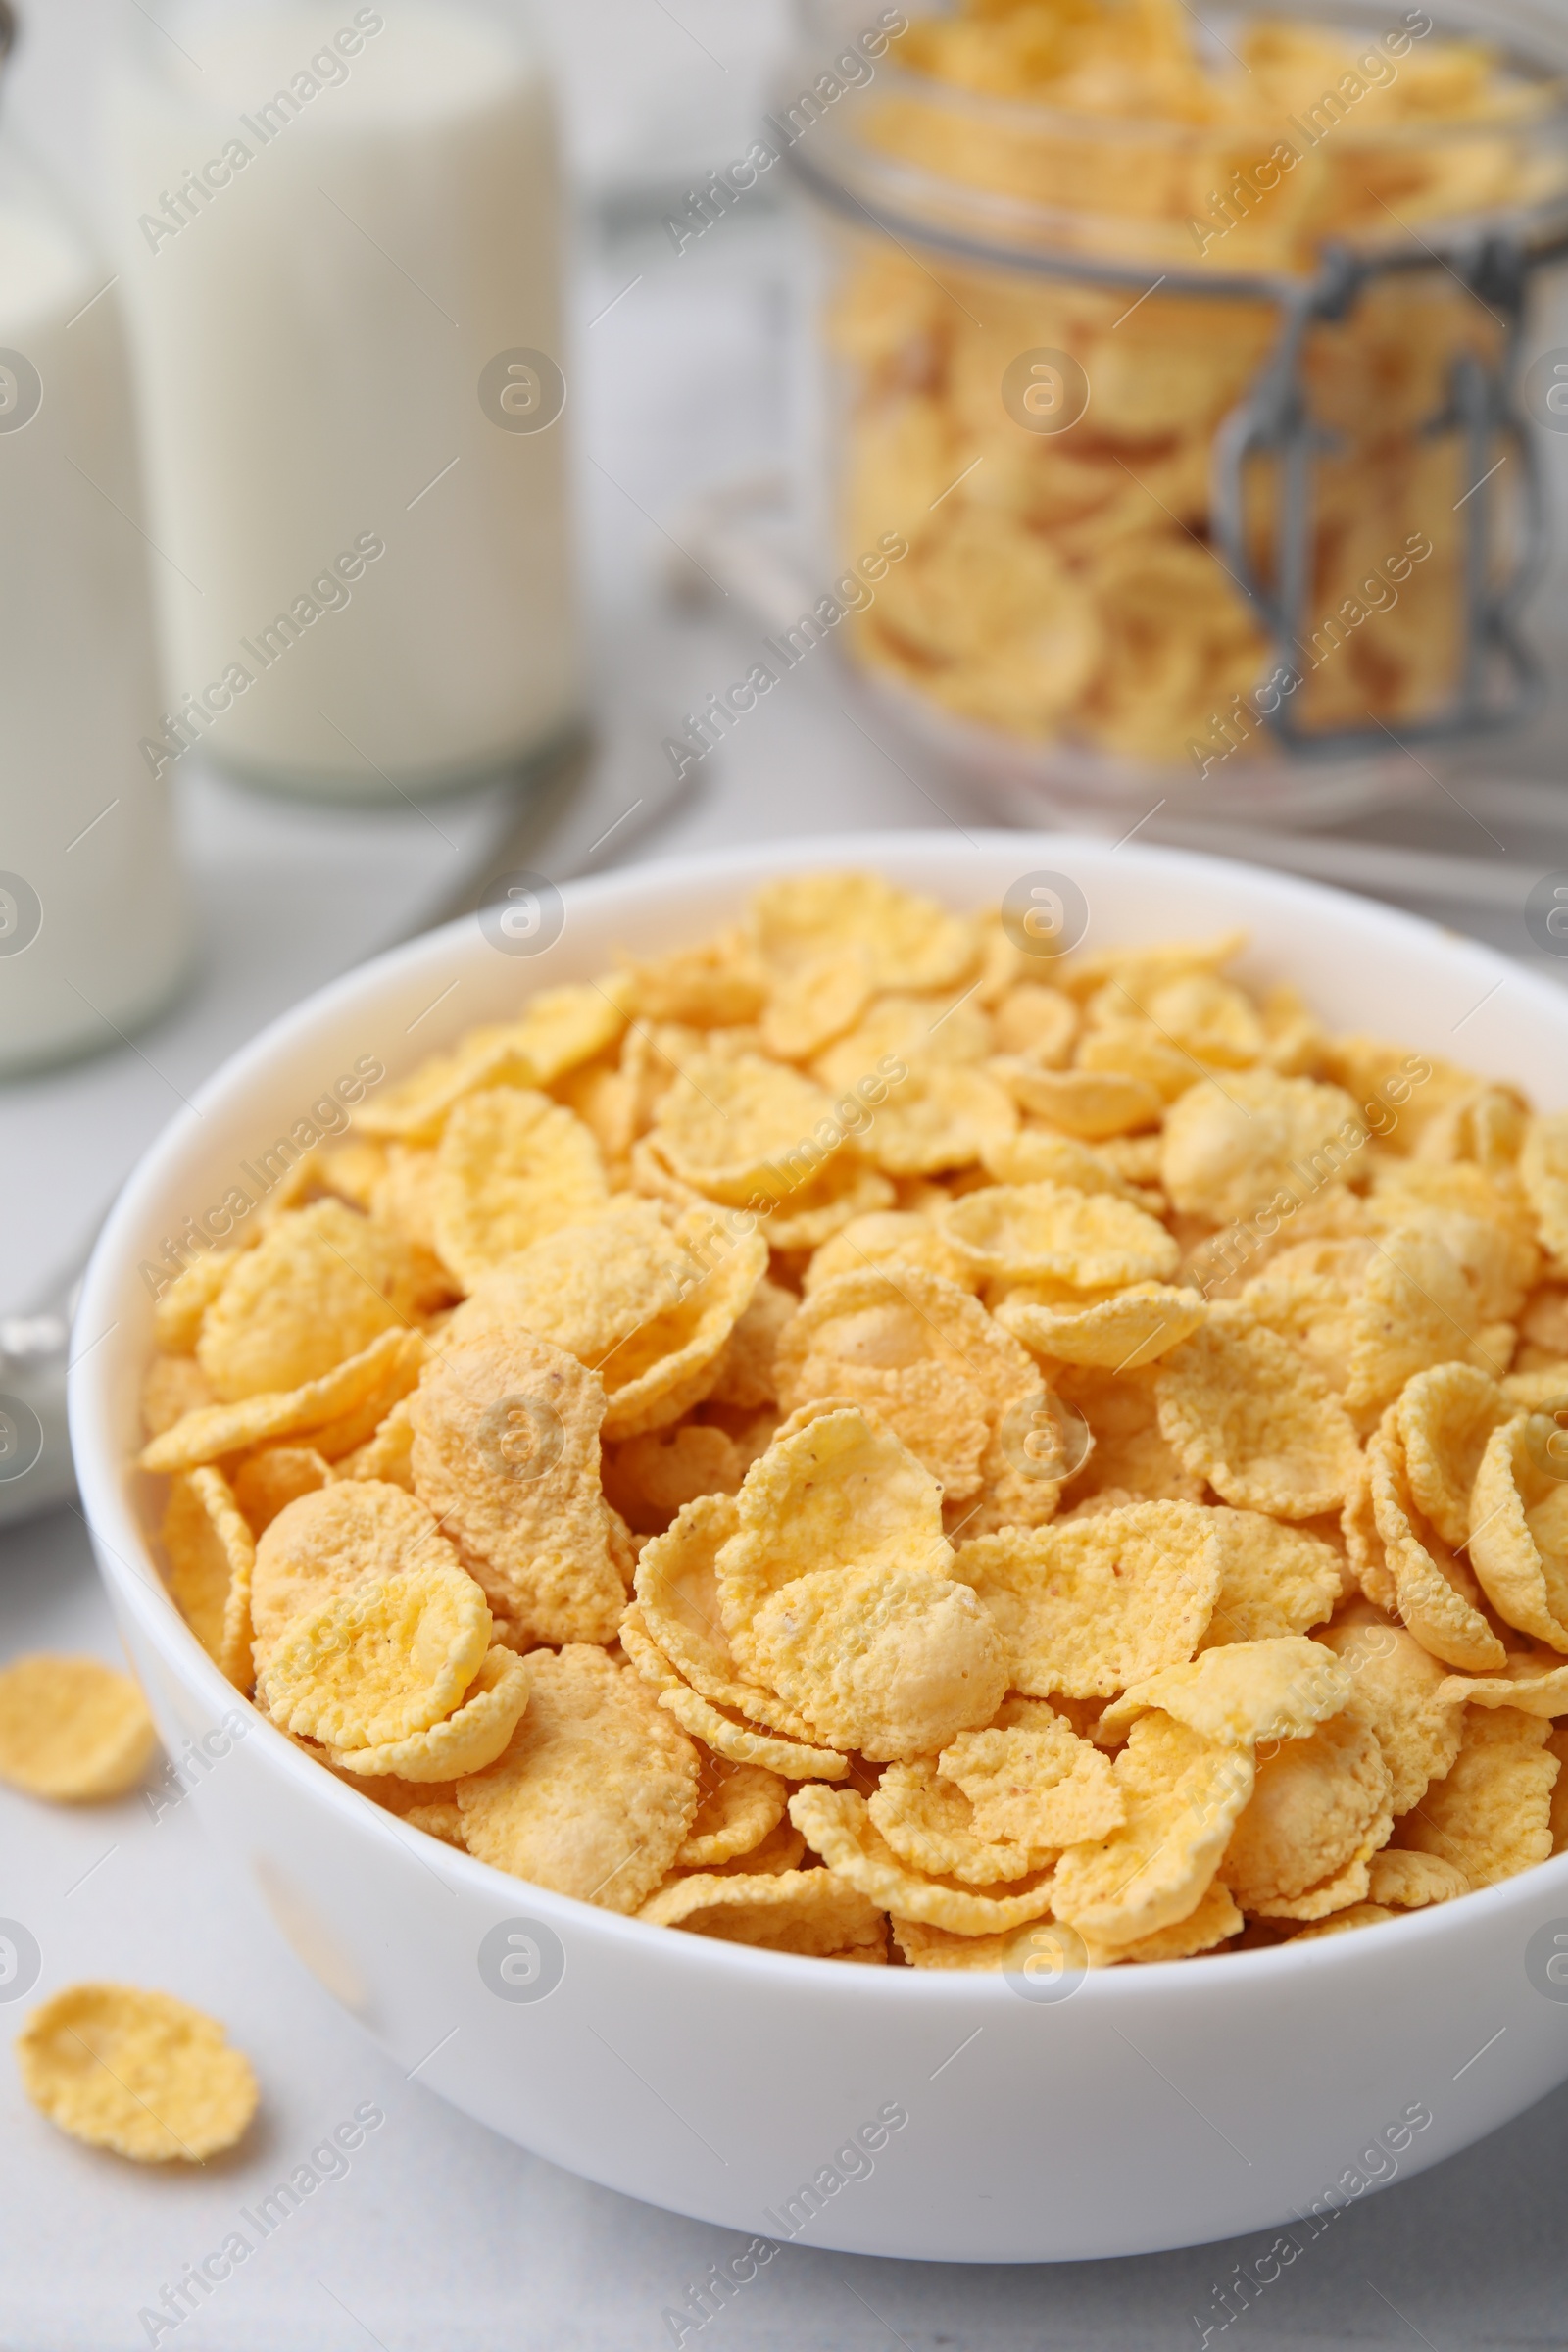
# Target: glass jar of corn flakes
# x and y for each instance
(1182, 352)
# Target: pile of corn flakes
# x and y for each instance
(863, 1439)
(1062, 583)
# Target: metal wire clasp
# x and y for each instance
(1501, 682)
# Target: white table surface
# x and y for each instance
(442, 2238)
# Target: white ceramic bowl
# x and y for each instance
(1158, 2106)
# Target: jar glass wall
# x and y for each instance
(1184, 359)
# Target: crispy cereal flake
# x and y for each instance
(512, 1166)
(838, 1825)
(741, 1805)
(1048, 1233)
(505, 1453)
(1243, 1410)
(1321, 1809)
(1274, 1578)
(597, 1791)
(1182, 1795)
(72, 1729)
(1400, 1692)
(892, 1662)
(319, 1286)
(807, 1911)
(1085, 1607)
(841, 1489)
(471, 1736)
(387, 1658)
(1519, 1544)
(326, 1541)
(139, 2072)
(1243, 1693)
(211, 1556)
(1491, 1815)
(1031, 1778)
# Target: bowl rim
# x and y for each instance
(118, 1537)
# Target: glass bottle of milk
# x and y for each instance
(94, 933)
(337, 231)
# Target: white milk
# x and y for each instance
(93, 931)
(378, 586)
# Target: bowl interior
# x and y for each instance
(1361, 966)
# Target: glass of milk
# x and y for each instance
(94, 935)
(337, 231)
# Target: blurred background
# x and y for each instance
(436, 439)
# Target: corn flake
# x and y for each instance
(178, 1312)
(728, 1126)
(1231, 1146)
(139, 2072)
(1435, 1593)
(1242, 1410)
(1039, 1155)
(324, 1543)
(512, 1166)
(1409, 1881)
(1030, 1779)
(319, 1286)
(1519, 1543)
(940, 1119)
(267, 1482)
(1399, 1690)
(212, 1554)
(505, 1453)
(646, 1298)
(679, 1610)
(649, 1479)
(1124, 1333)
(837, 1823)
(1183, 1794)
(748, 1375)
(1129, 1458)
(910, 942)
(1037, 1024)
(597, 1791)
(1544, 1173)
(1093, 1106)
(1534, 1685)
(1087, 1607)
(1274, 1578)
(918, 1351)
(387, 1658)
(719, 1729)
(1047, 1232)
(173, 1386)
(1321, 1809)
(818, 1001)
(466, 1740)
(1445, 1419)
(1491, 1815)
(929, 1824)
(806, 1911)
(1213, 1921)
(209, 1432)
(892, 1662)
(1241, 1694)
(741, 1805)
(72, 1729)
(842, 1488)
